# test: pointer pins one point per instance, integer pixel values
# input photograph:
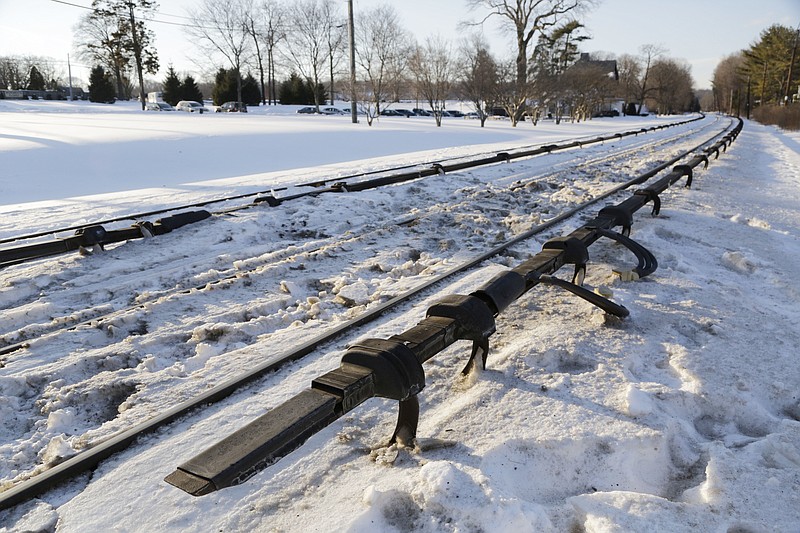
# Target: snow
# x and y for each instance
(683, 416)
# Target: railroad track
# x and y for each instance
(424, 223)
(172, 269)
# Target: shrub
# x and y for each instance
(786, 117)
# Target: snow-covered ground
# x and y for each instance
(684, 416)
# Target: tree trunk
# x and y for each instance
(238, 84)
(137, 53)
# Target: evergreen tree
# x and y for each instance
(100, 87)
(292, 91)
(251, 95)
(171, 88)
(35, 80)
(769, 62)
(224, 87)
(190, 90)
(297, 91)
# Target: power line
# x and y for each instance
(167, 22)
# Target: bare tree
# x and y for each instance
(507, 92)
(96, 44)
(307, 41)
(381, 46)
(336, 31)
(478, 76)
(672, 84)
(275, 17)
(728, 82)
(222, 28)
(649, 54)
(527, 19)
(264, 24)
(629, 74)
(432, 66)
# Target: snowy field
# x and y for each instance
(684, 416)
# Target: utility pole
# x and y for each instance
(747, 105)
(730, 104)
(352, 35)
(69, 73)
(137, 52)
(786, 99)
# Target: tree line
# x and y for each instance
(249, 44)
(764, 74)
(32, 73)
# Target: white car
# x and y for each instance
(190, 107)
(331, 111)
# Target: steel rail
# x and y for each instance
(25, 342)
(469, 161)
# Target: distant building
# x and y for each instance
(607, 67)
(590, 87)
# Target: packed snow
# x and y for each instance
(683, 416)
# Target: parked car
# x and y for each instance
(421, 112)
(307, 110)
(406, 112)
(331, 111)
(453, 113)
(606, 113)
(391, 113)
(232, 107)
(190, 106)
(158, 106)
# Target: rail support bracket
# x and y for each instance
(685, 170)
(397, 375)
(475, 320)
(652, 196)
(575, 253)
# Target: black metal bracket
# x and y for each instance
(685, 170)
(92, 235)
(474, 321)
(592, 297)
(652, 196)
(618, 216)
(576, 252)
(647, 261)
(396, 374)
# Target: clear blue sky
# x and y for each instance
(700, 31)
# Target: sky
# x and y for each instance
(702, 32)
